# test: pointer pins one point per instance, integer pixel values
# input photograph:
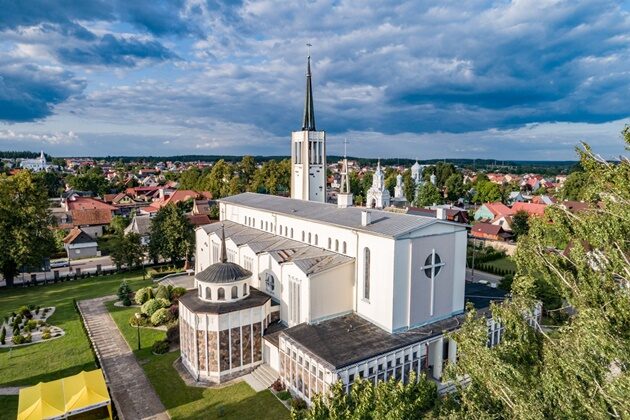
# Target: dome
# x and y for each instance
(415, 166)
(223, 272)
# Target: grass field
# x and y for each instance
(504, 263)
(29, 365)
(238, 401)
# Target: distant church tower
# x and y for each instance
(378, 195)
(308, 153)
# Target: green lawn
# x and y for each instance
(504, 263)
(9, 404)
(64, 356)
(238, 401)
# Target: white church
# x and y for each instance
(319, 293)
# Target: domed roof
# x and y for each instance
(416, 166)
(223, 271)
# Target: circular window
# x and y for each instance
(270, 282)
(429, 264)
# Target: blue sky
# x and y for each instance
(444, 79)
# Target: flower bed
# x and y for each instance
(27, 326)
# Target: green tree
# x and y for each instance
(520, 223)
(246, 171)
(25, 234)
(409, 186)
(273, 177)
(580, 370)
(386, 400)
(487, 192)
(118, 224)
(574, 186)
(172, 235)
(190, 179)
(89, 180)
(52, 181)
(454, 185)
(428, 195)
(127, 250)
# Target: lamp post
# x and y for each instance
(138, 316)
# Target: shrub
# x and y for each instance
(24, 311)
(143, 295)
(160, 347)
(277, 385)
(161, 316)
(177, 292)
(152, 305)
(28, 338)
(172, 334)
(126, 301)
(174, 310)
(46, 335)
(143, 321)
(284, 395)
(162, 293)
(17, 320)
(30, 325)
(37, 310)
(298, 404)
(16, 330)
(123, 290)
(18, 339)
(31, 307)
(3, 335)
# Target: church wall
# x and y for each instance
(291, 273)
(379, 308)
(203, 250)
(331, 292)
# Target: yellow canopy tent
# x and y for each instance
(64, 397)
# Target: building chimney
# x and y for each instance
(344, 200)
(366, 217)
(440, 213)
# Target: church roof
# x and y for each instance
(223, 271)
(383, 223)
(308, 258)
(255, 299)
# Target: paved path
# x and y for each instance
(131, 390)
(10, 390)
(482, 275)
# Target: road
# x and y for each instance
(482, 275)
(85, 265)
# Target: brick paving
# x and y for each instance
(132, 392)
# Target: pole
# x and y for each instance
(138, 329)
(472, 276)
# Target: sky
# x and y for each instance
(520, 80)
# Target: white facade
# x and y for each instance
(35, 165)
(308, 165)
(378, 196)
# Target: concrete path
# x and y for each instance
(132, 392)
(482, 275)
(10, 390)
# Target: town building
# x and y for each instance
(36, 165)
(378, 196)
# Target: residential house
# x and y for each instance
(89, 214)
(490, 211)
(78, 244)
(141, 225)
(516, 197)
(531, 208)
(485, 230)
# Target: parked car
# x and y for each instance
(59, 263)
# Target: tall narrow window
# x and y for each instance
(336, 245)
(344, 248)
(208, 293)
(316, 239)
(220, 293)
(244, 289)
(366, 274)
(291, 233)
(234, 292)
(329, 243)
(309, 237)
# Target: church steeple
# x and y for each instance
(308, 122)
(223, 257)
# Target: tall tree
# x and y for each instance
(454, 186)
(486, 192)
(520, 223)
(190, 178)
(428, 195)
(409, 186)
(580, 370)
(127, 251)
(172, 235)
(25, 235)
(247, 170)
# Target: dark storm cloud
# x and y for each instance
(29, 92)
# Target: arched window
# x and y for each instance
(329, 243)
(309, 237)
(291, 233)
(286, 231)
(266, 225)
(316, 239)
(345, 248)
(220, 293)
(366, 273)
(234, 292)
(336, 245)
(199, 286)
(244, 289)
(208, 293)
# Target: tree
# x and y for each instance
(91, 179)
(25, 234)
(487, 192)
(118, 224)
(520, 223)
(454, 186)
(52, 181)
(172, 235)
(246, 171)
(390, 399)
(574, 186)
(580, 370)
(409, 186)
(127, 251)
(428, 195)
(190, 178)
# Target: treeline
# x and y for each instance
(226, 178)
(22, 155)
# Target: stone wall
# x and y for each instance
(224, 350)
(257, 328)
(201, 350)
(235, 334)
(213, 353)
(247, 346)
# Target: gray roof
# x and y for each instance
(140, 224)
(223, 272)
(308, 258)
(384, 223)
(190, 300)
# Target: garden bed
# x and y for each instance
(28, 326)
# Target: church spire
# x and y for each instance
(223, 258)
(308, 122)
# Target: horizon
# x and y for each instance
(432, 81)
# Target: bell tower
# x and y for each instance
(308, 152)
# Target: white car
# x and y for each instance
(59, 263)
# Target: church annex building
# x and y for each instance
(324, 292)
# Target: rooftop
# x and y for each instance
(383, 223)
(349, 339)
(191, 301)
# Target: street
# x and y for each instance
(482, 275)
(85, 265)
